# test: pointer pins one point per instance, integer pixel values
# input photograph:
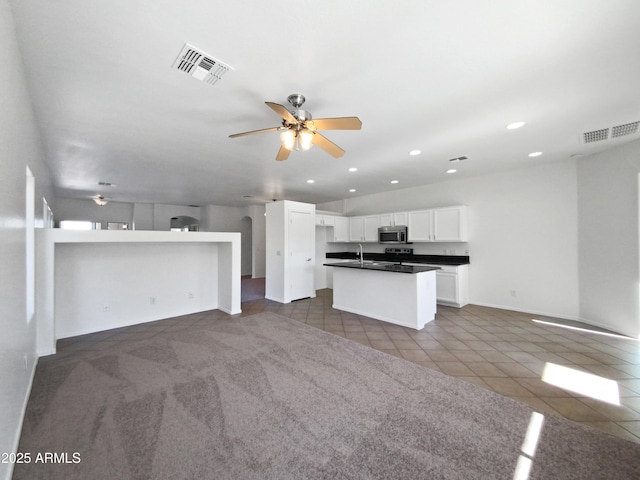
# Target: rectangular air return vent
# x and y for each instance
(626, 129)
(610, 133)
(458, 159)
(200, 65)
(595, 136)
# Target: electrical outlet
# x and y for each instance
(106, 308)
(152, 300)
(514, 293)
(190, 295)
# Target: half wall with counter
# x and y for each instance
(89, 281)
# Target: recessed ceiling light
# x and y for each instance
(514, 125)
(415, 152)
(311, 181)
(394, 181)
(352, 190)
(353, 169)
(535, 154)
(452, 170)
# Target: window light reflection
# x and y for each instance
(529, 445)
(582, 383)
(586, 330)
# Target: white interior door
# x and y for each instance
(301, 254)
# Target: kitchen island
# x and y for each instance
(401, 294)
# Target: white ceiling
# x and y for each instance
(441, 76)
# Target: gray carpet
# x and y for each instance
(266, 397)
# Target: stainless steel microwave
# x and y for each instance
(394, 234)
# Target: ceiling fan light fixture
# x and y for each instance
(306, 139)
(297, 139)
(100, 200)
(288, 139)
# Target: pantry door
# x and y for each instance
(302, 248)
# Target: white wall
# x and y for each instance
(142, 216)
(522, 231)
(20, 147)
(101, 286)
(258, 233)
(216, 218)
(609, 261)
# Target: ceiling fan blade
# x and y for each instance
(282, 111)
(283, 153)
(327, 145)
(272, 129)
(340, 123)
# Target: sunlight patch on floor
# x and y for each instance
(529, 445)
(586, 330)
(582, 383)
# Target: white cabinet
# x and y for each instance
(393, 219)
(364, 228)
(420, 226)
(450, 224)
(371, 225)
(452, 284)
(447, 224)
(341, 229)
(356, 229)
(325, 220)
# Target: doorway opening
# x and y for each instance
(184, 223)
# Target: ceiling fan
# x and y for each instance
(299, 132)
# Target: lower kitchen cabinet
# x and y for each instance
(452, 284)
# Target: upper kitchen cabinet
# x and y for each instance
(420, 226)
(393, 219)
(341, 229)
(364, 228)
(450, 224)
(325, 220)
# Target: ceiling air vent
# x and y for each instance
(596, 136)
(610, 133)
(200, 65)
(458, 159)
(626, 129)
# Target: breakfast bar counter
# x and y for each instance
(400, 294)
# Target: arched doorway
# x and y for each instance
(184, 223)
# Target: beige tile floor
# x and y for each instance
(500, 350)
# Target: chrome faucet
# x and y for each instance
(360, 254)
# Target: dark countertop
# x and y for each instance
(453, 260)
(383, 266)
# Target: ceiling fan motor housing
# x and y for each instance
(301, 115)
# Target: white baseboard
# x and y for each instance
(520, 310)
